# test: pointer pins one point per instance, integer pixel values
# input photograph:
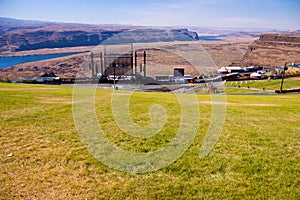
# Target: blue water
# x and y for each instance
(14, 60)
(209, 37)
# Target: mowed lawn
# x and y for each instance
(42, 157)
(252, 86)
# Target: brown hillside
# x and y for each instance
(215, 54)
(63, 67)
(273, 50)
(18, 35)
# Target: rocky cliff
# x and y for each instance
(19, 35)
(272, 50)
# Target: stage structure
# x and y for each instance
(118, 64)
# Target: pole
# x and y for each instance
(145, 61)
(104, 56)
(96, 65)
(114, 66)
(131, 59)
(92, 64)
(282, 78)
(101, 62)
(135, 62)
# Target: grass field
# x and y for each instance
(42, 157)
(268, 84)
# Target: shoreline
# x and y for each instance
(38, 52)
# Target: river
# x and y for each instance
(14, 60)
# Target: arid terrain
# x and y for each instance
(273, 50)
(166, 48)
(161, 58)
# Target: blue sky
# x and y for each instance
(280, 14)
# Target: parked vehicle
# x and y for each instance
(251, 69)
(258, 75)
(227, 70)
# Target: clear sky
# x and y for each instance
(280, 14)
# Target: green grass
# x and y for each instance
(267, 84)
(256, 157)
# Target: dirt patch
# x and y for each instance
(55, 100)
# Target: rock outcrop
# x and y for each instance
(18, 35)
(272, 50)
